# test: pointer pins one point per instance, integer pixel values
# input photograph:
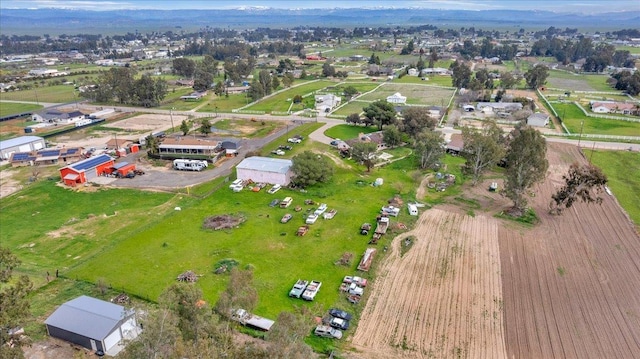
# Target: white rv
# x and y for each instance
(189, 165)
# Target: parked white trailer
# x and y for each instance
(189, 165)
(252, 320)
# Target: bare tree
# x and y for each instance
(286, 337)
(240, 293)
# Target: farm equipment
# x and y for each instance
(365, 228)
(302, 230)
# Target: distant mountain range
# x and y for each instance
(59, 21)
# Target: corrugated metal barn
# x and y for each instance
(20, 144)
(92, 323)
(86, 170)
(266, 170)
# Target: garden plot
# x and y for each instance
(442, 299)
(416, 94)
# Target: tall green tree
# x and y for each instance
(526, 165)
(353, 118)
(328, 70)
(240, 293)
(149, 92)
(482, 149)
(380, 113)
(415, 120)
(392, 136)
(460, 74)
(184, 67)
(14, 303)
(205, 126)
(287, 79)
(537, 76)
(366, 153)
(202, 80)
(184, 127)
(508, 80)
(433, 57)
(311, 168)
(429, 148)
(286, 337)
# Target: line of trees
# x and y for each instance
(119, 84)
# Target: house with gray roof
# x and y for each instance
(93, 323)
(538, 120)
(265, 170)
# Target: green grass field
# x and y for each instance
(416, 94)
(572, 118)
(281, 101)
(347, 132)
(433, 80)
(580, 82)
(623, 171)
(53, 94)
(354, 106)
(225, 104)
(10, 108)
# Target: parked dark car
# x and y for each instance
(274, 203)
(339, 323)
(337, 313)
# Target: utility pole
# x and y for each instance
(580, 137)
(171, 116)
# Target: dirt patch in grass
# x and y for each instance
(224, 221)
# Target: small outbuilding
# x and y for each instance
(396, 98)
(266, 170)
(538, 120)
(20, 144)
(86, 170)
(93, 323)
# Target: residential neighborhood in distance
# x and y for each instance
(334, 180)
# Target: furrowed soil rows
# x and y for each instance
(442, 299)
(571, 284)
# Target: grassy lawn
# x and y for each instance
(10, 108)
(573, 116)
(225, 104)
(623, 171)
(416, 94)
(578, 82)
(54, 94)
(280, 102)
(347, 132)
(432, 80)
(49, 227)
(354, 106)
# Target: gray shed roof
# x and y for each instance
(23, 140)
(87, 316)
(265, 164)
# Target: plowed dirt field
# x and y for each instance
(571, 284)
(442, 299)
(480, 287)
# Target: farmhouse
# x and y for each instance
(325, 103)
(625, 108)
(265, 169)
(499, 106)
(20, 144)
(189, 146)
(58, 116)
(93, 323)
(435, 71)
(86, 170)
(396, 98)
(194, 96)
(538, 120)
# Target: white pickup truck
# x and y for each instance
(312, 289)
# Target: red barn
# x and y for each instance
(123, 168)
(83, 171)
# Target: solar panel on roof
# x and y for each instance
(49, 153)
(71, 151)
(90, 162)
(21, 156)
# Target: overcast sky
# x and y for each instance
(582, 6)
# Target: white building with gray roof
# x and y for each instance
(265, 170)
